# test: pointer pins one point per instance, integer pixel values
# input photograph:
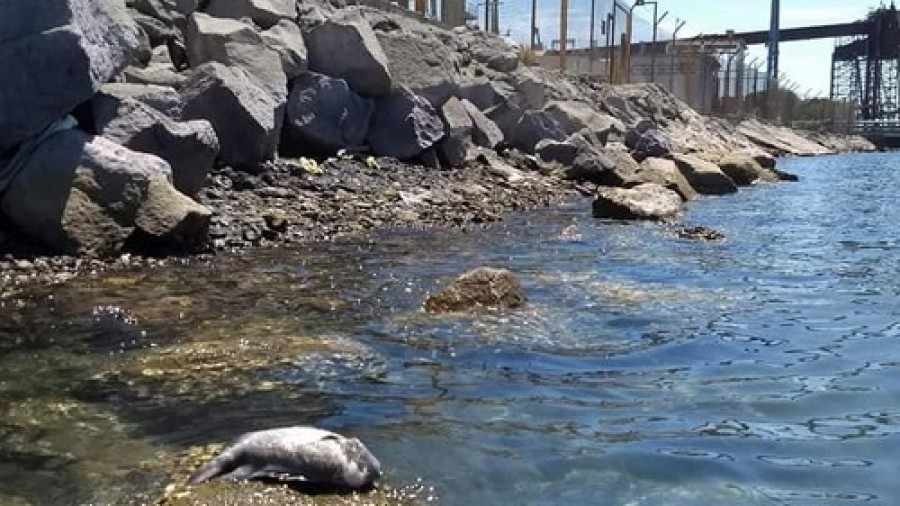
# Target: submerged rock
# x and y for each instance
(481, 288)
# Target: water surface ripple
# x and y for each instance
(646, 369)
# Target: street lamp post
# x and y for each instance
(642, 3)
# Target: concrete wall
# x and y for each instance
(692, 78)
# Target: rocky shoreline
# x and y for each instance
(182, 128)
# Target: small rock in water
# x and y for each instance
(700, 233)
(484, 287)
(570, 234)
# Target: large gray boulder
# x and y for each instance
(645, 140)
(286, 39)
(237, 44)
(404, 125)
(164, 99)
(481, 288)
(647, 201)
(423, 64)
(55, 54)
(607, 167)
(744, 170)
(189, 147)
(485, 133)
(704, 176)
(455, 147)
(349, 49)
(575, 116)
(80, 194)
(324, 115)
(246, 116)
(158, 74)
(265, 13)
(533, 127)
(664, 172)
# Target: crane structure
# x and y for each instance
(865, 68)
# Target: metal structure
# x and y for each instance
(865, 68)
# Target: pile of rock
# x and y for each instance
(164, 92)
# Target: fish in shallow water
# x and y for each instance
(303, 454)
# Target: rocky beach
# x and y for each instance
(147, 133)
(158, 127)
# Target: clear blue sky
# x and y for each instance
(805, 63)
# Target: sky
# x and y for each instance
(807, 63)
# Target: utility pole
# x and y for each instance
(487, 15)
(656, 22)
(563, 33)
(533, 24)
(772, 65)
(495, 16)
(591, 43)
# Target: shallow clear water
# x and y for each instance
(645, 370)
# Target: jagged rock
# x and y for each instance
(483, 93)
(666, 173)
(236, 44)
(497, 56)
(164, 99)
(481, 288)
(765, 160)
(245, 115)
(325, 115)
(189, 147)
(606, 167)
(531, 90)
(577, 116)
(286, 39)
(549, 150)
(80, 194)
(533, 127)
(785, 176)
(404, 125)
(619, 108)
(155, 74)
(705, 177)
(158, 31)
(744, 170)
(55, 55)
(485, 133)
(454, 148)
(423, 64)
(265, 13)
(647, 142)
(456, 117)
(507, 116)
(647, 201)
(349, 49)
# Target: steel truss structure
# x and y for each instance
(865, 70)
